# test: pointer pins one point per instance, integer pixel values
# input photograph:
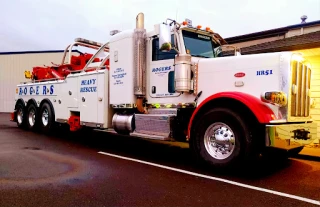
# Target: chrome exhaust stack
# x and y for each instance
(139, 38)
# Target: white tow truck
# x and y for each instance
(173, 84)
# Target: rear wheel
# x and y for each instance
(32, 117)
(46, 118)
(20, 115)
(222, 138)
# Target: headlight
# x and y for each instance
(275, 97)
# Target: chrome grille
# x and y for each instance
(300, 96)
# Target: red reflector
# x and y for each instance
(74, 122)
(12, 118)
(239, 75)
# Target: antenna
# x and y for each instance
(303, 18)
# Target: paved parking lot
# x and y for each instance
(101, 169)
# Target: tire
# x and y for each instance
(32, 117)
(46, 118)
(238, 143)
(20, 115)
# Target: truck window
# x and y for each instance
(158, 55)
(199, 45)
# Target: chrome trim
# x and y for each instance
(123, 105)
(307, 91)
(219, 141)
(62, 120)
(91, 124)
(282, 135)
(297, 91)
(123, 122)
(279, 121)
(299, 97)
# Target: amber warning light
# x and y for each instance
(275, 97)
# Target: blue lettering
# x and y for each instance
(37, 90)
(31, 90)
(88, 89)
(20, 91)
(44, 91)
(161, 69)
(88, 82)
(25, 90)
(51, 89)
(265, 72)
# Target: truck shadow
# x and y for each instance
(179, 156)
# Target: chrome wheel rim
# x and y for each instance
(20, 116)
(45, 115)
(32, 117)
(219, 140)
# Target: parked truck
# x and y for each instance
(173, 84)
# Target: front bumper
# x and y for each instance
(290, 136)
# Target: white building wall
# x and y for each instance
(12, 67)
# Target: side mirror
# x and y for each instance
(165, 44)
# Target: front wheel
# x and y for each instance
(222, 138)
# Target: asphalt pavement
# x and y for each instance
(101, 169)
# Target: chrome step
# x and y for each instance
(163, 111)
(147, 136)
(157, 125)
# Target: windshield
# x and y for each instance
(199, 45)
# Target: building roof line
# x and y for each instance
(35, 52)
(304, 41)
(268, 33)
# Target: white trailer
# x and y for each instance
(172, 83)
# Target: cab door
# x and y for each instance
(161, 71)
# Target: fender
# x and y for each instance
(262, 112)
(20, 100)
(13, 114)
(32, 101)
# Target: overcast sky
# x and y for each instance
(52, 24)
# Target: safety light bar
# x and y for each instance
(90, 42)
(188, 23)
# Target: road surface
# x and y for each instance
(100, 169)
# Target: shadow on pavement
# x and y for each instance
(174, 155)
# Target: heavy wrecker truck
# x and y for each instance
(173, 84)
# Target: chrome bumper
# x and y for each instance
(290, 136)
